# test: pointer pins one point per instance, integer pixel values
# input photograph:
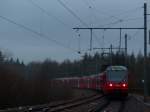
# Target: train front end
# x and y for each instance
(116, 81)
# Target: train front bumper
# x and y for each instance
(118, 91)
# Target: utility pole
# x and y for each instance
(91, 32)
(126, 49)
(145, 52)
(111, 53)
(149, 37)
(120, 41)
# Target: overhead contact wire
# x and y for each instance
(35, 32)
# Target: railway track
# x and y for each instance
(110, 106)
(93, 103)
(52, 107)
(57, 107)
(68, 106)
(100, 106)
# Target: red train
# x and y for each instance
(114, 80)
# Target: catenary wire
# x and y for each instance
(76, 16)
(122, 18)
(49, 14)
(36, 32)
(70, 11)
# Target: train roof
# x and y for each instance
(116, 68)
(66, 78)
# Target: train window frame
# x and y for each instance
(123, 79)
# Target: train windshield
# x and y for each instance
(117, 75)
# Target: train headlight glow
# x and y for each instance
(110, 85)
(124, 85)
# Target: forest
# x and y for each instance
(29, 84)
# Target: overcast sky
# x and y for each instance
(60, 41)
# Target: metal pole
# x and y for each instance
(149, 37)
(120, 40)
(145, 52)
(111, 53)
(126, 49)
(96, 65)
(91, 40)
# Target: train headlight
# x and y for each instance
(124, 85)
(110, 85)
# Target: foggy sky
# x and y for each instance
(28, 46)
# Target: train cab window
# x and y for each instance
(117, 75)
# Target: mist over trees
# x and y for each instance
(31, 82)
